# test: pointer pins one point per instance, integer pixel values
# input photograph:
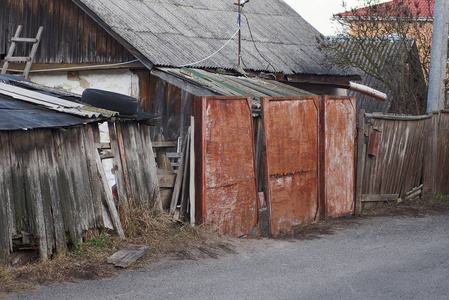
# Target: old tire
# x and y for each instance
(123, 104)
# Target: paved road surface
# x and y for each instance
(379, 258)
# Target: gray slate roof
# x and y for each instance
(173, 33)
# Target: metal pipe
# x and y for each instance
(366, 90)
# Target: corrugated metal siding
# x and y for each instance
(174, 33)
(70, 36)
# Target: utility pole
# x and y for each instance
(438, 58)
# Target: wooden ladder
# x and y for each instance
(28, 59)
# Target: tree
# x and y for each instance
(380, 40)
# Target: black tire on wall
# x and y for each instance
(123, 104)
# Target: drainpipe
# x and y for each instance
(366, 90)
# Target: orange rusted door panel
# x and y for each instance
(291, 128)
(225, 177)
(339, 116)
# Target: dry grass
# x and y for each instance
(87, 260)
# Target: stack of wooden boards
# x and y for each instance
(176, 176)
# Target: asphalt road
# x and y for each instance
(378, 258)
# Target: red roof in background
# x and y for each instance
(418, 8)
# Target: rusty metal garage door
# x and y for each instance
(291, 128)
(225, 176)
(338, 117)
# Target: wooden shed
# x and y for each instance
(53, 186)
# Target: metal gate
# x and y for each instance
(291, 128)
(338, 134)
(225, 176)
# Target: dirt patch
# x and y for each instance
(418, 208)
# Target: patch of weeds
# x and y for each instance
(442, 198)
(96, 244)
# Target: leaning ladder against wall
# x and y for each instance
(27, 59)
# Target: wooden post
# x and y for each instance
(361, 157)
(192, 172)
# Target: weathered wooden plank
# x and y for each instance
(69, 198)
(109, 199)
(185, 177)
(5, 198)
(96, 187)
(178, 183)
(192, 172)
(55, 197)
(379, 197)
(161, 143)
(149, 167)
(125, 257)
(35, 197)
(134, 162)
(398, 118)
(166, 181)
(118, 169)
(122, 155)
(45, 179)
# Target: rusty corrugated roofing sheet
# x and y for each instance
(236, 85)
(174, 33)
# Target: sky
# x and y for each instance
(319, 12)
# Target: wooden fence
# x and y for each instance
(53, 187)
(398, 154)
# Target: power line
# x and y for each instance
(255, 46)
(206, 58)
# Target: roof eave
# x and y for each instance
(142, 58)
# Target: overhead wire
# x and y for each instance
(77, 68)
(255, 46)
(213, 54)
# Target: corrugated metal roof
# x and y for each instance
(23, 108)
(173, 33)
(236, 85)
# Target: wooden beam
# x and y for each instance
(164, 144)
(398, 118)
(109, 198)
